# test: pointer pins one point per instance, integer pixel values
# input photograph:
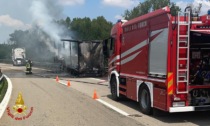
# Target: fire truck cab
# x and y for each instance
(161, 61)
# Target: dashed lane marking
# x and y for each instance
(106, 104)
(113, 107)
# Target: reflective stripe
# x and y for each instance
(181, 109)
(170, 83)
(28, 65)
(114, 59)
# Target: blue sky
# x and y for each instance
(21, 14)
(94, 8)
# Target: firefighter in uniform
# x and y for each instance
(29, 67)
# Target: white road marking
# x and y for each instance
(62, 82)
(97, 79)
(113, 107)
(7, 97)
(103, 102)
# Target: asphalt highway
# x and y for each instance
(51, 104)
(55, 104)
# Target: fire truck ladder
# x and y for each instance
(182, 77)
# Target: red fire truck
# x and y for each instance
(161, 61)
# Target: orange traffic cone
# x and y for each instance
(95, 95)
(57, 79)
(68, 84)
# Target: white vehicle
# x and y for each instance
(18, 56)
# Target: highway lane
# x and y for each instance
(56, 105)
(86, 86)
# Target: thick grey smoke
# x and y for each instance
(44, 14)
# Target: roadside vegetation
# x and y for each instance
(3, 88)
(148, 6)
(5, 51)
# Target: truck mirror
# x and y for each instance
(105, 49)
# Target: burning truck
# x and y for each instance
(82, 58)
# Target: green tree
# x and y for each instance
(140, 9)
(68, 22)
(174, 9)
(150, 5)
(87, 29)
(17, 37)
(157, 4)
(5, 51)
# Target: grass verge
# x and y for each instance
(3, 88)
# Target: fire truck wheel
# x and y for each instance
(114, 89)
(145, 100)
